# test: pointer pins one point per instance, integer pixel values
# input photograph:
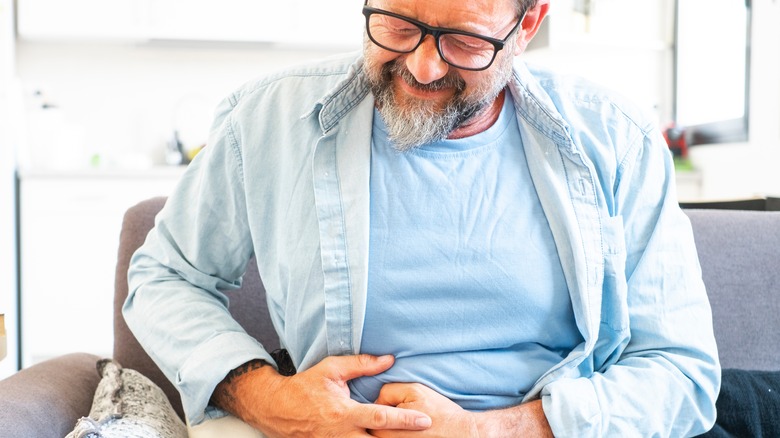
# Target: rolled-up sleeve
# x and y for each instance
(198, 250)
(666, 377)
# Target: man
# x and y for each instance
(502, 246)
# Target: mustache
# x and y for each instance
(451, 80)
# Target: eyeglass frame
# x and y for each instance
(437, 32)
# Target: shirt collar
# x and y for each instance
(342, 98)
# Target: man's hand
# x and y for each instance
(315, 402)
(449, 419)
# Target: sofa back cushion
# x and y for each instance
(248, 304)
(739, 252)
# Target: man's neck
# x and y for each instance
(482, 121)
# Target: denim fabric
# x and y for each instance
(286, 176)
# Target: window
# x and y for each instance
(712, 66)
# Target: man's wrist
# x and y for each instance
(244, 369)
(225, 395)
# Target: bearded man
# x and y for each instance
(452, 244)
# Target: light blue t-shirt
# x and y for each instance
(465, 286)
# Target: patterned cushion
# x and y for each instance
(127, 404)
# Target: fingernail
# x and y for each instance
(423, 422)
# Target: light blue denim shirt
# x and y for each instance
(286, 176)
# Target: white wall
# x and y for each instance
(752, 168)
(7, 191)
(120, 102)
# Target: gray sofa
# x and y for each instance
(739, 253)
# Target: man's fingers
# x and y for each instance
(395, 394)
(351, 367)
(377, 417)
(391, 394)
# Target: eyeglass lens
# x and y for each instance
(400, 35)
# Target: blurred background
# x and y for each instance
(102, 102)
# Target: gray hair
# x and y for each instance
(524, 5)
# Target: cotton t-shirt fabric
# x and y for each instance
(465, 285)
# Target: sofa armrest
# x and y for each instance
(46, 399)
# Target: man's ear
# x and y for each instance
(531, 23)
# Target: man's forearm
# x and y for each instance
(528, 418)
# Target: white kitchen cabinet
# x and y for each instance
(82, 19)
(311, 22)
(69, 236)
(607, 24)
(206, 20)
(314, 23)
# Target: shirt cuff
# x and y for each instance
(572, 408)
(208, 365)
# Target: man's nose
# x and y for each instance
(425, 63)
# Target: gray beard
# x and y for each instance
(419, 122)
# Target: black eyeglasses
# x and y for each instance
(464, 50)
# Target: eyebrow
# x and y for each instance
(500, 37)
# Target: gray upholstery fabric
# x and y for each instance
(45, 400)
(248, 304)
(739, 252)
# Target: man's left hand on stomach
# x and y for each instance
(449, 419)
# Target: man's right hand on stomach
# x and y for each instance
(312, 403)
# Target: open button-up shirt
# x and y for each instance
(286, 176)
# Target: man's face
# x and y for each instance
(420, 97)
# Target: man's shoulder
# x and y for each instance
(574, 97)
(312, 78)
(598, 122)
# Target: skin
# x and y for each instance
(486, 17)
(312, 403)
(316, 402)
